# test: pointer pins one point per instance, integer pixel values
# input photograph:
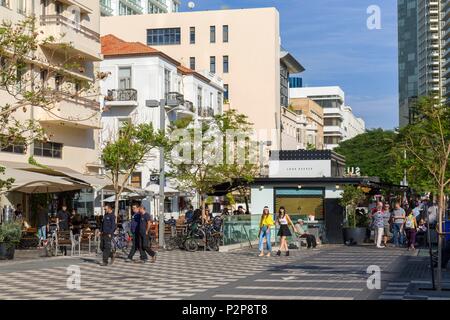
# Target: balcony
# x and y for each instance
(159, 4)
(121, 97)
(105, 8)
(205, 112)
(81, 40)
(71, 111)
(335, 131)
(135, 5)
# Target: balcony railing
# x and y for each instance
(76, 26)
(205, 112)
(122, 95)
(86, 102)
(105, 7)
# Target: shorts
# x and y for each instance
(387, 231)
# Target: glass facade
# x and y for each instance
(163, 36)
(295, 82)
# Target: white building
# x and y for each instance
(138, 73)
(132, 7)
(339, 121)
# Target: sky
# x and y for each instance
(331, 40)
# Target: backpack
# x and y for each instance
(409, 224)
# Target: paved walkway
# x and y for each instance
(333, 272)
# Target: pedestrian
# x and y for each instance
(302, 233)
(284, 221)
(62, 220)
(378, 224)
(398, 219)
(76, 222)
(138, 240)
(240, 210)
(189, 214)
(107, 229)
(265, 224)
(144, 231)
(42, 223)
(387, 223)
(18, 213)
(411, 229)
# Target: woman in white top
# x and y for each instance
(284, 221)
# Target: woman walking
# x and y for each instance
(284, 221)
(411, 229)
(265, 224)
(378, 224)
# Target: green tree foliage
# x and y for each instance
(374, 152)
(351, 197)
(427, 143)
(126, 151)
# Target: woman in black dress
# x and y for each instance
(284, 221)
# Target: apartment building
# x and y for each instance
(314, 117)
(138, 73)
(133, 7)
(339, 121)
(240, 46)
(424, 52)
(72, 122)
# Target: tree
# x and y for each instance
(374, 153)
(350, 199)
(427, 143)
(123, 153)
(243, 165)
(22, 88)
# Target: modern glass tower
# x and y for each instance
(131, 7)
(407, 58)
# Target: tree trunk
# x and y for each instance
(441, 210)
(203, 204)
(116, 204)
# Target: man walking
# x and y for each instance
(398, 217)
(62, 220)
(138, 240)
(107, 230)
(144, 231)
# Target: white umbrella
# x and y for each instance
(154, 188)
(124, 196)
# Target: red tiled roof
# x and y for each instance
(113, 46)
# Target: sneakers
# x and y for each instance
(142, 261)
(128, 260)
(103, 264)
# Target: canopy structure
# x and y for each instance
(31, 182)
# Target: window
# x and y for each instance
(124, 77)
(123, 121)
(48, 149)
(212, 34)
(166, 82)
(58, 81)
(219, 102)
(225, 33)
(12, 146)
(44, 75)
(136, 179)
(4, 3)
(22, 6)
(199, 97)
(165, 36)
(225, 64)
(225, 93)
(212, 64)
(20, 72)
(192, 63)
(192, 35)
(59, 7)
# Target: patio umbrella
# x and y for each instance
(125, 196)
(154, 188)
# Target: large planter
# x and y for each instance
(7, 251)
(354, 235)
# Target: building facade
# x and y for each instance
(242, 47)
(314, 117)
(339, 122)
(72, 121)
(133, 7)
(138, 73)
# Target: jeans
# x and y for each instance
(265, 232)
(138, 243)
(398, 234)
(42, 232)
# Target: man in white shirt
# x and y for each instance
(302, 233)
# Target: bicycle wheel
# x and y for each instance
(171, 244)
(191, 245)
(212, 244)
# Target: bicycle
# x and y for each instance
(120, 241)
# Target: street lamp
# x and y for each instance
(172, 102)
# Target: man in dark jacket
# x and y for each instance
(137, 238)
(107, 231)
(144, 232)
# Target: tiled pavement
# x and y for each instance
(333, 272)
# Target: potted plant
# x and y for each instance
(355, 224)
(10, 234)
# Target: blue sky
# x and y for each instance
(331, 39)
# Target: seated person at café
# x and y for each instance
(421, 232)
(302, 233)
